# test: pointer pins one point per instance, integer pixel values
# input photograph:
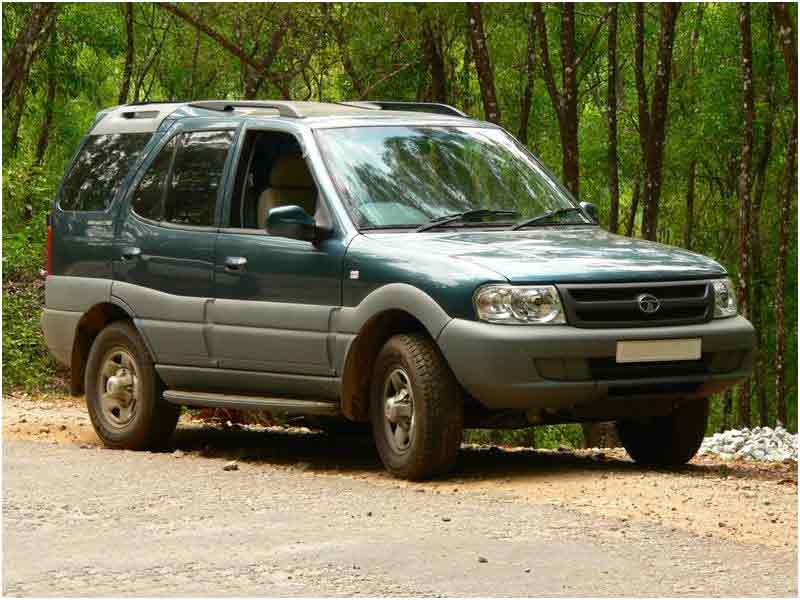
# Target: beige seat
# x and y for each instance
(290, 182)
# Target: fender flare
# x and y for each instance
(393, 296)
(360, 331)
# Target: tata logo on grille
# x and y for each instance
(648, 303)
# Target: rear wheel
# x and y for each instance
(124, 392)
(416, 408)
(669, 440)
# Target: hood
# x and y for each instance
(559, 254)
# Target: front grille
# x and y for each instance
(616, 304)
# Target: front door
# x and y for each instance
(274, 296)
(165, 267)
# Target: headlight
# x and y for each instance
(724, 299)
(512, 305)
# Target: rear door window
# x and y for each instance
(97, 173)
(196, 176)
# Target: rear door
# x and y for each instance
(165, 265)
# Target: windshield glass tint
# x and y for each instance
(402, 175)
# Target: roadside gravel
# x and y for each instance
(744, 501)
(97, 522)
(274, 511)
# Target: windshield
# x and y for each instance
(406, 176)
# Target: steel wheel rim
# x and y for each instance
(398, 410)
(118, 387)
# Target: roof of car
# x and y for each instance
(147, 117)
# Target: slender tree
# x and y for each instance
(23, 51)
(788, 44)
(565, 101)
(127, 71)
(745, 185)
(434, 58)
(611, 112)
(691, 170)
(637, 186)
(483, 65)
(530, 78)
(50, 100)
(757, 282)
(653, 118)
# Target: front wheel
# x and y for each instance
(124, 392)
(416, 408)
(670, 440)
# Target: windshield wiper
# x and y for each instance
(468, 215)
(545, 216)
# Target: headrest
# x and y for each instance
(290, 172)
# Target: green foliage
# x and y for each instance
(26, 361)
(27, 192)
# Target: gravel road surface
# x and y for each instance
(309, 515)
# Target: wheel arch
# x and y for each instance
(391, 309)
(90, 324)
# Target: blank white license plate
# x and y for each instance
(635, 351)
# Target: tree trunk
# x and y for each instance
(482, 64)
(569, 95)
(432, 50)
(745, 176)
(466, 96)
(727, 409)
(47, 120)
(757, 283)
(340, 36)
(20, 56)
(637, 185)
(129, 54)
(530, 78)
(688, 226)
(193, 75)
(788, 45)
(656, 128)
(691, 171)
(611, 110)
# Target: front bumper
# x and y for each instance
(559, 366)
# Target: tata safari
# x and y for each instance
(394, 265)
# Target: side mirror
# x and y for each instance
(294, 222)
(591, 210)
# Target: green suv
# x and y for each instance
(383, 263)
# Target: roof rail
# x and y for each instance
(285, 109)
(426, 107)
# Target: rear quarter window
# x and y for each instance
(196, 176)
(97, 173)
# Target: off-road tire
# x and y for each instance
(438, 408)
(666, 441)
(155, 419)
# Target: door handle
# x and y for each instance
(131, 253)
(235, 263)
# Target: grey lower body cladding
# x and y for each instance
(529, 367)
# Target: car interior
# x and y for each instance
(272, 172)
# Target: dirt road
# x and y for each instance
(306, 514)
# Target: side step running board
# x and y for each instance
(285, 406)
